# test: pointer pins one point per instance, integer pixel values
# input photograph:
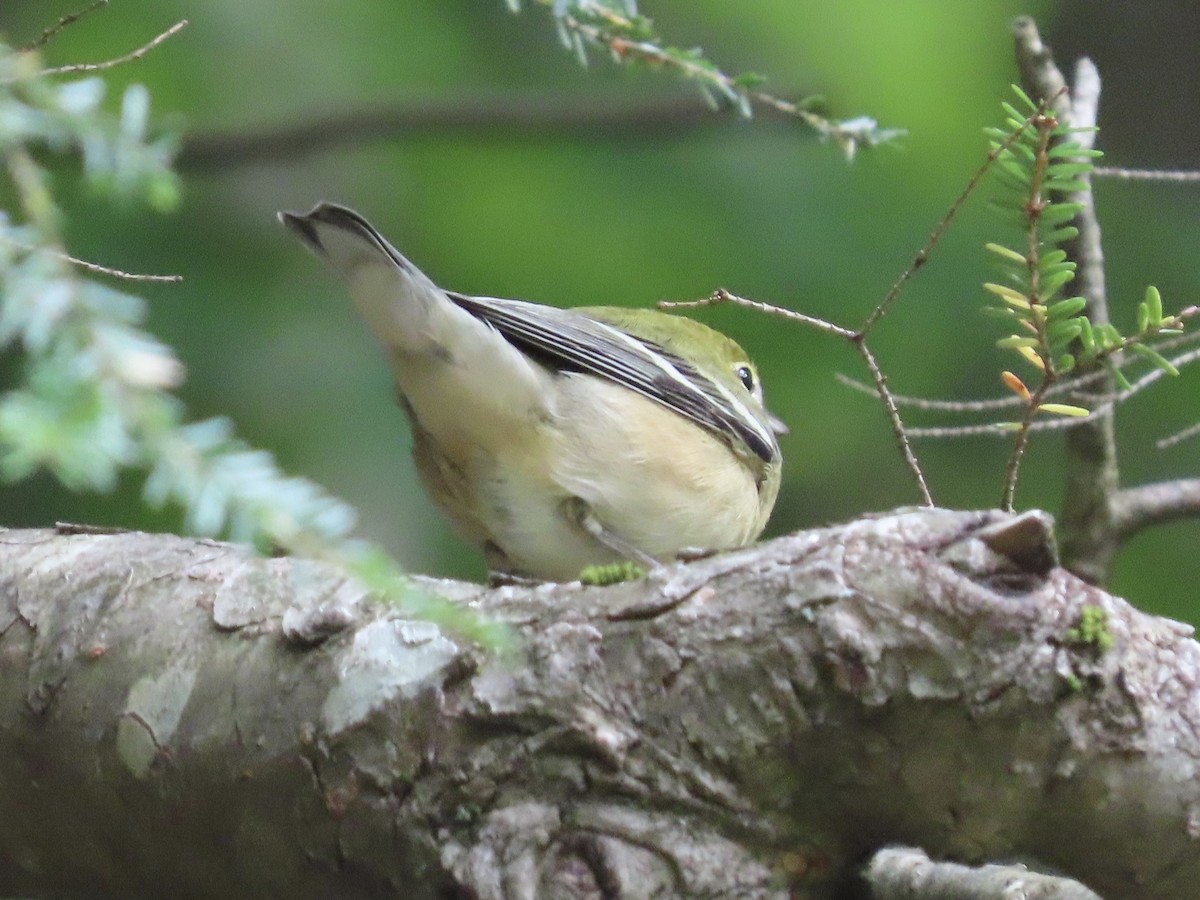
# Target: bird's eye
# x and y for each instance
(746, 375)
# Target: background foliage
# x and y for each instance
(629, 216)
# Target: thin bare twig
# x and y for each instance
(722, 296)
(983, 429)
(898, 430)
(120, 60)
(1012, 468)
(1073, 385)
(1121, 174)
(922, 255)
(90, 266)
(1140, 384)
(1105, 403)
(1178, 437)
(1147, 379)
(968, 407)
(68, 19)
(927, 404)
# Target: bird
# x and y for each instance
(559, 438)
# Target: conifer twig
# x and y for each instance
(63, 22)
(120, 60)
(1089, 540)
(96, 268)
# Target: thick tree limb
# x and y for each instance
(176, 712)
(1153, 504)
(902, 873)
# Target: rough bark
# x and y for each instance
(179, 716)
(902, 873)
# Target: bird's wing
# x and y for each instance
(569, 341)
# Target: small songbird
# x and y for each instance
(559, 438)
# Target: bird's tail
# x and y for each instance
(440, 353)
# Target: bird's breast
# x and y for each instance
(655, 478)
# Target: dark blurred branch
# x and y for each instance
(1154, 504)
(485, 116)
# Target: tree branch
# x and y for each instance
(902, 873)
(95, 268)
(1120, 174)
(120, 60)
(1154, 504)
(486, 116)
(752, 725)
(63, 22)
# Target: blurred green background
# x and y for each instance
(631, 215)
